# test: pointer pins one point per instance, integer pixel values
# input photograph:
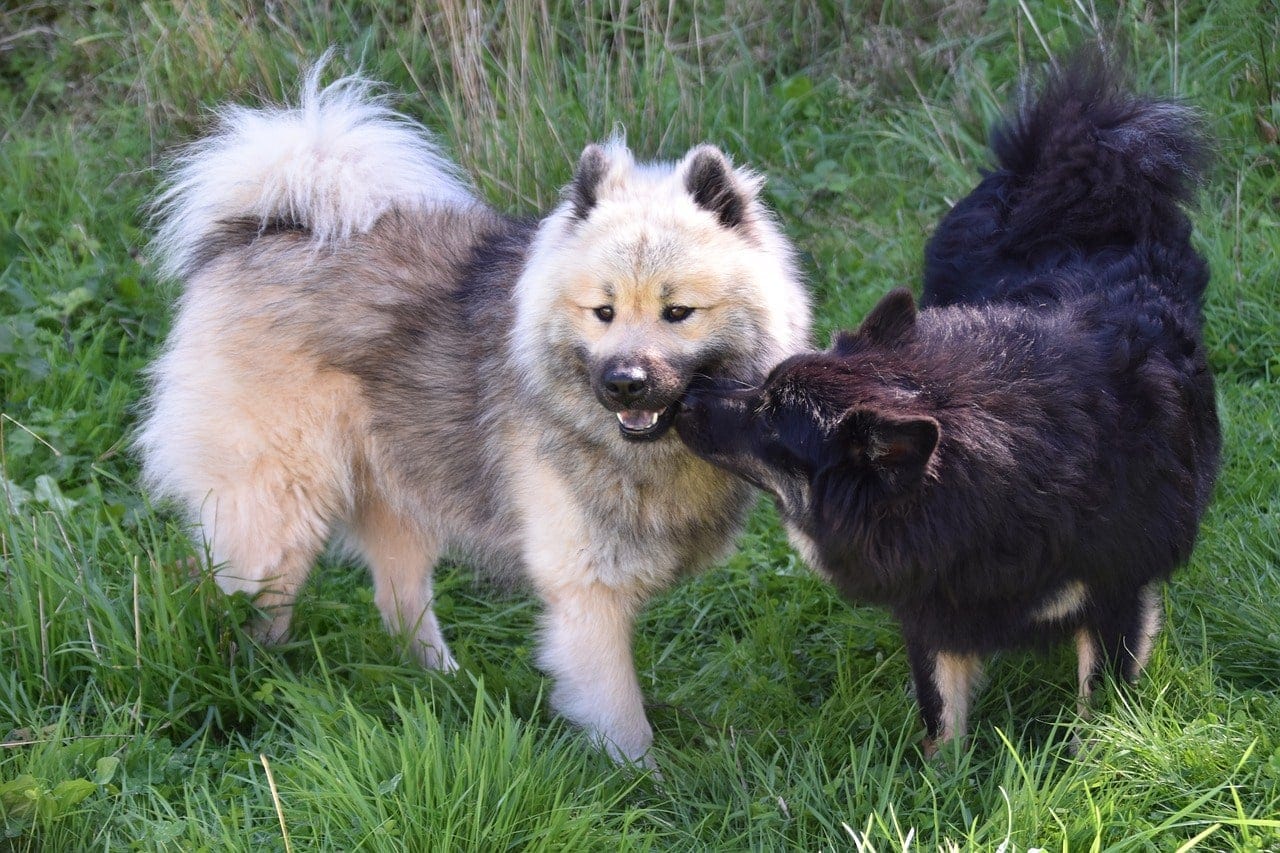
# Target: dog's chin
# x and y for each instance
(640, 425)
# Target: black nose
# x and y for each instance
(626, 383)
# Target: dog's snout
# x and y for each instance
(626, 383)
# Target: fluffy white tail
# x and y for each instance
(331, 165)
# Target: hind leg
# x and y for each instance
(253, 439)
(1088, 669)
(263, 541)
(1120, 637)
(401, 557)
(1142, 637)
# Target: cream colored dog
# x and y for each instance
(365, 350)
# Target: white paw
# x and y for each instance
(437, 657)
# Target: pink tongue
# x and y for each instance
(636, 419)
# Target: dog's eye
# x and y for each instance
(604, 313)
(676, 313)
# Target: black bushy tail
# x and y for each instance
(1089, 174)
(1095, 160)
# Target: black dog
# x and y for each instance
(1029, 457)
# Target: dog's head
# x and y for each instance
(647, 276)
(829, 434)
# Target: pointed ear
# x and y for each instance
(843, 342)
(585, 186)
(716, 187)
(897, 447)
(892, 320)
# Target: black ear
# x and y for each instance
(843, 342)
(892, 320)
(584, 187)
(714, 187)
(897, 447)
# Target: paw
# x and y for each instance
(627, 744)
(271, 627)
(1080, 747)
(437, 658)
(643, 761)
(935, 751)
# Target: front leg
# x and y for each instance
(944, 685)
(586, 648)
(593, 587)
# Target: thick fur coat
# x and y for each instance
(365, 351)
(1029, 456)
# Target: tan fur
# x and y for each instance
(271, 467)
(1066, 602)
(956, 677)
(1150, 628)
(396, 550)
(1087, 657)
(808, 550)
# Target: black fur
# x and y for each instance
(584, 188)
(1089, 184)
(711, 182)
(1046, 427)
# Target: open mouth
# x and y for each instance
(643, 425)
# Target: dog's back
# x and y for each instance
(1088, 193)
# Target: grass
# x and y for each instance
(134, 712)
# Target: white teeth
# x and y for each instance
(638, 421)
